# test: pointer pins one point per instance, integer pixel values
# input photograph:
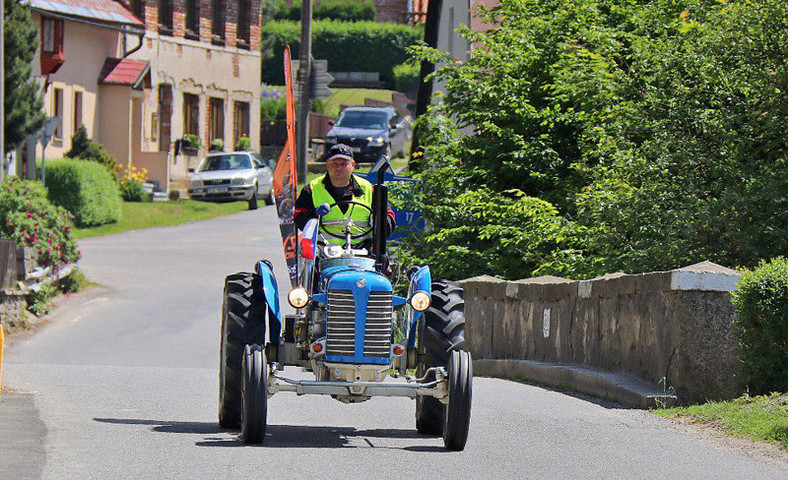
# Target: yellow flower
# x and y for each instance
(684, 14)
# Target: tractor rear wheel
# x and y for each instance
(442, 331)
(243, 323)
(254, 414)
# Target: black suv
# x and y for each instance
(370, 132)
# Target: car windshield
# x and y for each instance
(361, 119)
(225, 162)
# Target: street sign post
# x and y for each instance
(320, 79)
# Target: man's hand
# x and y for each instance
(323, 209)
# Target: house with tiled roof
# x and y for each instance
(78, 39)
(141, 75)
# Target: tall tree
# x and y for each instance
(23, 102)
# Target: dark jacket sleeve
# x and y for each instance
(391, 222)
(304, 208)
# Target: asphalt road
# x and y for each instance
(123, 382)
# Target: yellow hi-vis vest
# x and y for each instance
(362, 220)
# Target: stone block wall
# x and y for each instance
(676, 325)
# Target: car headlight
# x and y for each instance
(420, 301)
(241, 181)
(376, 141)
(195, 183)
(298, 297)
(331, 139)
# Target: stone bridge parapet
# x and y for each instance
(674, 327)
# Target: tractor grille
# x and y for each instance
(341, 324)
(377, 339)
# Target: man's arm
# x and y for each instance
(391, 222)
(304, 208)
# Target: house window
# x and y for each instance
(51, 35)
(165, 116)
(193, 19)
(241, 120)
(243, 23)
(217, 119)
(77, 110)
(165, 16)
(191, 114)
(57, 111)
(217, 26)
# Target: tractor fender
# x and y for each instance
(271, 293)
(421, 280)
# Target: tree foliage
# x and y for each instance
(653, 131)
(23, 103)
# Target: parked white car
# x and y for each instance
(233, 176)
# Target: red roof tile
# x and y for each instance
(102, 10)
(122, 71)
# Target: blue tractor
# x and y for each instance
(357, 337)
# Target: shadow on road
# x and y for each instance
(285, 436)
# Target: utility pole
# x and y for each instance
(425, 88)
(2, 92)
(304, 88)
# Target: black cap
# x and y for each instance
(340, 150)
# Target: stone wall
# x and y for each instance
(676, 325)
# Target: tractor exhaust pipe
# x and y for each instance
(380, 203)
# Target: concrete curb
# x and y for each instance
(21, 438)
(623, 389)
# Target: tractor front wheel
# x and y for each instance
(254, 414)
(457, 417)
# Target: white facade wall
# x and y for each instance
(85, 48)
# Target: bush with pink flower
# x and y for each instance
(27, 217)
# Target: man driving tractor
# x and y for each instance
(339, 187)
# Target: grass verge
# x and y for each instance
(762, 417)
(137, 216)
(353, 96)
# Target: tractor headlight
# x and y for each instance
(420, 301)
(298, 297)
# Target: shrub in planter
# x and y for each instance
(217, 145)
(243, 144)
(761, 301)
(86, 189)
(191, 141)
(28, 218)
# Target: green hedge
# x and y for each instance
(761, 301)
(341, 10)
(375, 47)
(86, 189)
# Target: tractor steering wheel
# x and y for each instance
(348, 222)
